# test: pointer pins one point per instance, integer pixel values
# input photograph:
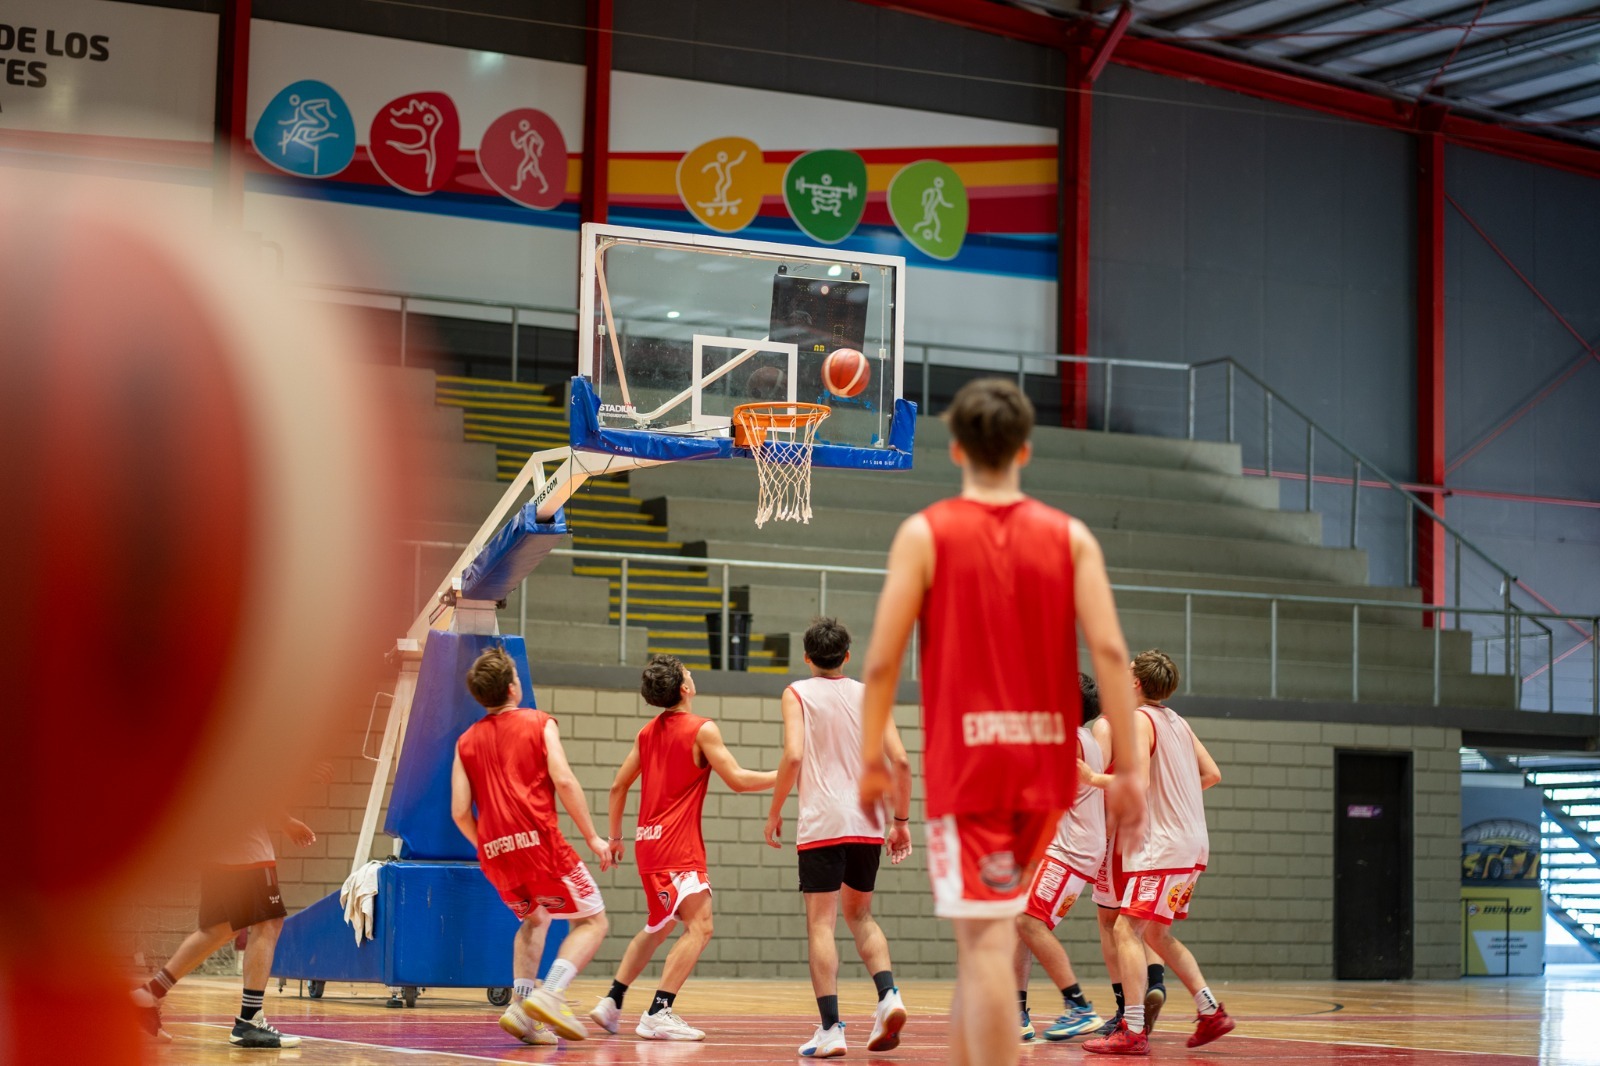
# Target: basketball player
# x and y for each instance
(1064, 872)
(838, 842)
(511, 764)
(240, 892)
(998, 580)
(1159, 867)
(674, 755)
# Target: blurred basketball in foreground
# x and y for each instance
(198, 494)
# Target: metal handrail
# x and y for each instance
(1189, 594)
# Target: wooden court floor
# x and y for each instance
(1551, 1021)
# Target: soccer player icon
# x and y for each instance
(309, 126)
(719, 204)
(932, 200)
(425, 121)
(532, 145)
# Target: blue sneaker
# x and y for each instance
(1075, 1022)
(1027, 1027)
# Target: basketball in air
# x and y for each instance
(845, 372)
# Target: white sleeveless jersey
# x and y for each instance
(1080, 840)
(1175, 836)
(830, 804)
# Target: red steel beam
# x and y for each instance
(228, 161)
(1108, 43)
(998, 19)
(1430, 535)
(1072, 233)
(594, 197)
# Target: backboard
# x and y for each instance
(676, 330)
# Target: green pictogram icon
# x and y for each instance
(826, 192)
(929, 205)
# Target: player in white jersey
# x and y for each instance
(1069, 864)
(1160, 866)
(838, 842)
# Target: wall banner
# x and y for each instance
(1502, 903)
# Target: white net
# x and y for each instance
(780, 436)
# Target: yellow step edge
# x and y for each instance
(635, 527)
(613, 570)
(648, 617)
(580, 541)
(662, 586)
(492, 383)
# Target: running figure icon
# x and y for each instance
(527, 138)
(425, 120)
(932, 200)
(309, 126)
(723, 168)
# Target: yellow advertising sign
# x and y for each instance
(1502, 930)
(721, 183)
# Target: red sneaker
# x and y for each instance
(1122, 1042)
(1209, 1027)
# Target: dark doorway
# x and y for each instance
(1372, 866)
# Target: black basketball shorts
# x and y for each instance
(242, 896)
(824, 869)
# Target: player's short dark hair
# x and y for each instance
(827, 643)
(1156, 673)
(662, 682)
(490, 676)
(991, 419)
(1089, 694)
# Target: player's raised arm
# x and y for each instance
(910, 572)
(1108, 649)
(617, 804)
(571, 793)
(461, 801)
(794, 749)
(720, 759)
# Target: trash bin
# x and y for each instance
(738, 639)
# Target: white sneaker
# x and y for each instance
(665, 1025)
(887, 1021)
(516, 1022)
(606, 1014)
(552, 1009)
(825, 1043)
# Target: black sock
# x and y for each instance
(1022, 1000)
(884, 981)
(1116, 990)
(250, 1005)
(663, 1001)
(1157, 976)
(618, 990)
(159, 985)
(1072, 996)
(828, 1007)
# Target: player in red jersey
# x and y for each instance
(1159, 867)
(674, 754)
(998, 581)
(510, 763)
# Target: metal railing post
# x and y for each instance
(522, 611)
(1355, 499)
(1311, 464)
(927, 408)
(622, 618)
(516, 340)
(727, 663)
(1437, 636)
(822, 593)
(1272, 663)
(1022, 373)
(1355, 652)
(1516, 660)
(1230, 401)
(1105, 426)
(1188, 644)
(402, 331)
(1594, 665)
(1411, 561)
(1191, 403)
(1266, 429)
(1458, 585)
(1505, 598)
(1550, 670)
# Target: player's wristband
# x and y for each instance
(900, 819)
(613, 840)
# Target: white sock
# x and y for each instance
(560, 976)
(1133, 1017)
(524, 988)
(1205, 1002)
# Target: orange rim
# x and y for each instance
(752, 420)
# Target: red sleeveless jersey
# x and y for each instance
(507, 765)
(672, 793)
(1000, 701)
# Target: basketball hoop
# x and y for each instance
(779, 436)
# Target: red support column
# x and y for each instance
(594, 199)
(228, 145)
(1430, 536)
(1072, 324)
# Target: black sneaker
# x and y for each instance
(257, 1032)
(1109, 1026)
(1153, 1001)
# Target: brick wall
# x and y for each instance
(1264, 908)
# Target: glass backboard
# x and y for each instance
(676, 330)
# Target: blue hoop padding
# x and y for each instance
(587, 434)
(512, 554)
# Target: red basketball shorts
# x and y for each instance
(981, 863)
(1054, 889)
(665, 891)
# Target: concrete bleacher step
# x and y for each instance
(1051, 442)
(576, 642)
(1297, 680)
